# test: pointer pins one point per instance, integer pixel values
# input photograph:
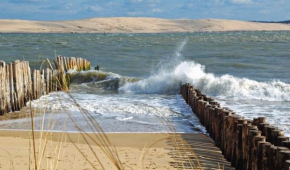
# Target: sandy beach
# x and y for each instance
(62, 150)
(135, 25)
(73, 150)
(135, 150)
(144, 85)
(130, 147)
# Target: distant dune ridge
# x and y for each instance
(135, 25)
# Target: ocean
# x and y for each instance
(137, 86)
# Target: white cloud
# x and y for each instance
(145, 1)
(240, 1)
(264, 11)
(156, 10)
(133, 14)
(94, 8)
(136, 1)
(25, 1)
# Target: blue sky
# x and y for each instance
(268, 10)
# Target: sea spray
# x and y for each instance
(168, 62)
(227, 56)
(172, 71)
(171, 75)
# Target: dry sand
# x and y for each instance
(14, 149)
(135, 25)
(136, 151)
(165, 151)
(14, 146)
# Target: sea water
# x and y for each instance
(137, 86)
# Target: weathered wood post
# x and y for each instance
(18, 85)
(287, 165)
(282, 155)
(232, 142)
(3, 88)
(274, 135)
(226, 134)
(186, 92)
(257, 139)
(286, 144)
(239, 144)
(270, 133)
(261, 154)
(272, 159)
(240, 140)
(246, 129)
(281, 139)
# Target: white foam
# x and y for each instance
(168, 80)
(124, 118)
(109, 105)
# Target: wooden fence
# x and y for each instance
(18, 85)
(247, 144)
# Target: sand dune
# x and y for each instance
(135, 25)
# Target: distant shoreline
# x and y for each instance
(237, 31)
(277, 22)
(137, 25)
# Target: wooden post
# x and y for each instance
(239, 140)
(39, 85)
(282, 155)
(2, 88)
(239, 161)
(266, 155)
(286, 144)
(7, 87)
(18, 86)
(282, 139)
(274, 136)
(287, 165)
(246, 127)
(270, 130)
(232, 141)
(257, 139)
(251, 154)
(261, 155)
(263, 129)
(2, 63)
(272, 159)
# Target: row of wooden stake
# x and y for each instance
(247, 144)
(18, 86)
(71, 63)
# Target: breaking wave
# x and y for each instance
(168, 79)
(93, 79)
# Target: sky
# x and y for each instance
(53, 10)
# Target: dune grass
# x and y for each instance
(42, 147)
(46, 154)
(180, 147)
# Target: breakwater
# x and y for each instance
(19, 84)
(247, 144)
